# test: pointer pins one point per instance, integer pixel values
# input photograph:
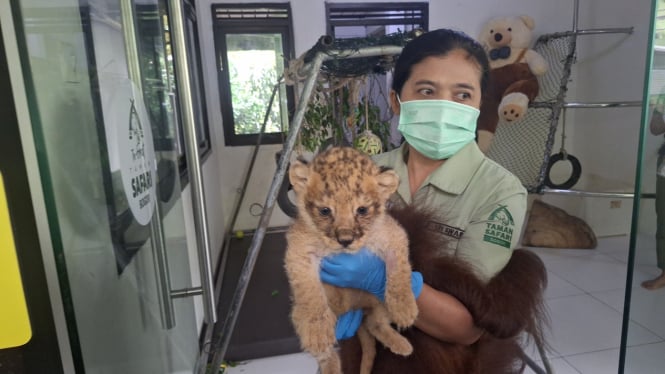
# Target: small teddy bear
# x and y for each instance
(514, 68)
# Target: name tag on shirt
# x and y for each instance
(444, 229)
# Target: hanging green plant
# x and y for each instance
(339, 115)
(317, 122)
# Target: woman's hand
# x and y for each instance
(362, 270)
(348, 323)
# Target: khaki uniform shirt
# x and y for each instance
(482, 205)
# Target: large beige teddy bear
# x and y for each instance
(514, 68)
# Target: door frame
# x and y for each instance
(26, 200)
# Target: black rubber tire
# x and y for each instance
(574, 176)
(283, 200)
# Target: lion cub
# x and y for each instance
(341, 198)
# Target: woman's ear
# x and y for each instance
(394, 103)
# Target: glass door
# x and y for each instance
(645, 287)
(101, 91)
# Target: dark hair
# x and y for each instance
(438, 43)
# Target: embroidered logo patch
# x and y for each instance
(500, 227)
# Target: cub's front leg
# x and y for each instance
(312, 318)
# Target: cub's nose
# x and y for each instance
(498, 37)
(344, 237)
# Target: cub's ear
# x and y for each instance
(298, 175)
(388, 182)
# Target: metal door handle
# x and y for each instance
(193, 159)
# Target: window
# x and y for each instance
(252, 44)
(374, 19)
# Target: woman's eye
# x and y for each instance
(463, 96)
(362, 210)
(426, 92)
(325, 211)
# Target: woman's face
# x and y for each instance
(453, 77)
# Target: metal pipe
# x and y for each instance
(131, 47)
(615, 104)
(562, 34)
(621, 195)
(187, 292)
(193, 159)
(611, 30)
(580, 193)
(221, 339)
(577, 105)
(576, 13)
(166, 309)
(364, 52)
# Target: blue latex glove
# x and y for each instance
(363, 270)
(348, 323)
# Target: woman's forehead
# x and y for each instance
(455, 67)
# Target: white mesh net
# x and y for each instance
(524, 148)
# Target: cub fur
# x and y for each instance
(341, 197)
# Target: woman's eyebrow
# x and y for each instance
(428, 82)
(425, 81)
(466, 85)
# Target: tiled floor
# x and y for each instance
(585, 297)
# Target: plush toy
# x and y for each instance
(514, 68)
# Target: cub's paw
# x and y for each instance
(403, 313)
(401, 346)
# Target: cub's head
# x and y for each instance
(340, 194)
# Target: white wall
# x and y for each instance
(610, 67)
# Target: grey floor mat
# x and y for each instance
(263, 327)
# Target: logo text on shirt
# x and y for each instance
(444, 229)
(499, 228)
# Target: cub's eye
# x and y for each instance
(325, 211)
(362, 210)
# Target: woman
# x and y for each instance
(437, 88)
(657, 127)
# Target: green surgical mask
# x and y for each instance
(437, 128)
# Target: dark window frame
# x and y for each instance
(255, 18)
(375, 14)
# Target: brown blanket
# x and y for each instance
(507, 305)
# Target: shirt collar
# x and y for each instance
(456, 173)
